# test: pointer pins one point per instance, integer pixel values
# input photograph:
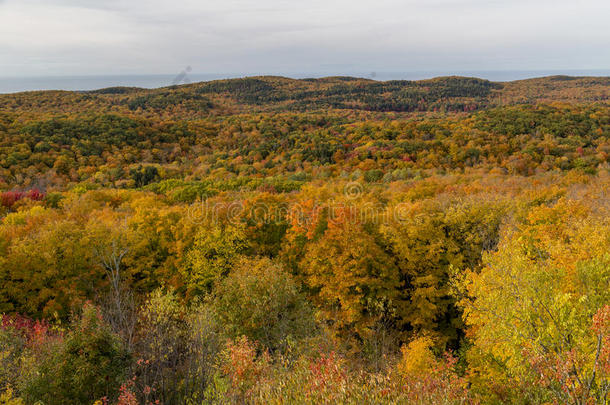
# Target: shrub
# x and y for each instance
(88, 364)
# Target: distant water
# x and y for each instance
(17, 84)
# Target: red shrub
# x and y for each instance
(9, 198)
(33, 331)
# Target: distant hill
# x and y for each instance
(271, 93)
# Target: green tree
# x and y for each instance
(260, 300)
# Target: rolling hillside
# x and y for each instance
(265, 94)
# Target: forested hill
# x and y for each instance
(269, 93)
(264, 127)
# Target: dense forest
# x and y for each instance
(340, 240)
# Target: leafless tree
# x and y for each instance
(119, 305)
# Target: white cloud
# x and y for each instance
(41, 37)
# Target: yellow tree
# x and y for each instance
(536, 311)
(215, 251)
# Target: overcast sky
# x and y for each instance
(92, 37)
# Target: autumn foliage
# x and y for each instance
(323, 241)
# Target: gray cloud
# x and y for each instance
(54, 37)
